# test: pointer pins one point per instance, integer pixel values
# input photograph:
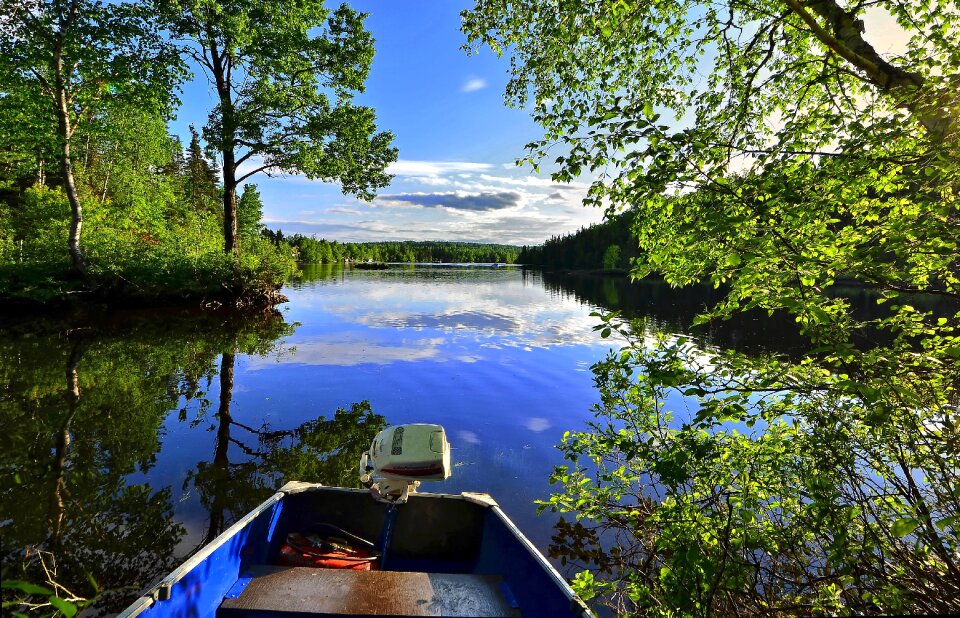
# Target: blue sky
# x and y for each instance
(455, 179)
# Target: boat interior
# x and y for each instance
(448, 555)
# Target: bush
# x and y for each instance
(130, 259)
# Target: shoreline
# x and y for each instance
(99, 301)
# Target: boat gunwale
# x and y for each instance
(161, 591)
(575, 601)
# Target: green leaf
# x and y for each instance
(25, 587)
(66, 608)
(903, 527)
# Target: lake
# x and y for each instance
(131, 438)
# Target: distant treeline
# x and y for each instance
(313, 251)
(608, 246)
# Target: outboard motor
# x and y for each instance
(399, 458)
(402, 456)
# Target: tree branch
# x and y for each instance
(43, 81)
(845, 38)
(256, 171)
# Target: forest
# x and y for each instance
(153, 220)
(310, 250)
(99, 201)
(607, 246)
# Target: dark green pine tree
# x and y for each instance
(203, 188)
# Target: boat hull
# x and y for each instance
(466, 534)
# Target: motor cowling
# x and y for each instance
(403, 455)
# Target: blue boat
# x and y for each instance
(427, 555)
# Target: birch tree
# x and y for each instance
(74, 56)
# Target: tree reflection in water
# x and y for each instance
(319, 450)
(83, 405)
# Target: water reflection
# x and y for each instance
(469, 309)
(672, 310)
(89, 407)
(349, 350)
(133, 439)
(508, 307)
(318, 450)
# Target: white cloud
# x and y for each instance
(473, 84)
(430, 181)
(448, 200)
(533, 181)
(434, 168)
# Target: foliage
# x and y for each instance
(249, 213)
(63, 62)
(202, 183)
(153, 227)
(313, 251)
(86, 88)
(725, 483)
(611, 257)
(284, 76)
(20, 596)
(110, 53)
(732, 491)
(586, 249)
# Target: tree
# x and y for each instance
(611, 257)
(284, 95)
(202, 184)
(74, 56)
(804, 157)
(249, 213)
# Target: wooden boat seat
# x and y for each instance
(301, 591)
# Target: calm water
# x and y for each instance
(130, 439)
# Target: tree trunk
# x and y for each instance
(227, 362)
(106, 181)
(221, 460)
(76, 220)
(843, 34)
(65, 134)
(59, 467)
(228, 130)
(229, 203)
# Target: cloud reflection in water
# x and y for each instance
(352, 351)
(537, 424)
